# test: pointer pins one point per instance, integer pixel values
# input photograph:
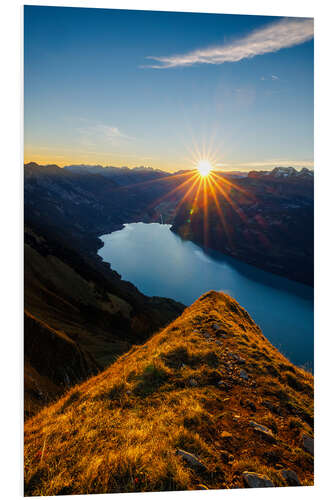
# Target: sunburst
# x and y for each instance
(204, 167)
(203, 188)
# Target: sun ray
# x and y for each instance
(230, 184)
(206, 212)
(219, 211)
(234, 206)
(173, 191)
(197, 195)
(169, 178)
(188, 192)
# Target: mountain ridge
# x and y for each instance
(206, 403)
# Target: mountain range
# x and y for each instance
(267, 216)
(265, 219)
(125, 392)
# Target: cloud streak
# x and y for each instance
(105, 131)
(272, 38)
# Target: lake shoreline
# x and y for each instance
(254, 288)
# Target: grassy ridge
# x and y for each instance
(179, 412)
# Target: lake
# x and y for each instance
(160, 263)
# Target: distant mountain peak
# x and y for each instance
(282, 172)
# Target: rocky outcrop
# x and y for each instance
(290, 477)
(308, 443)
(191, 460)
(253, 480)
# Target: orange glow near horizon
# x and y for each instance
(200, 189)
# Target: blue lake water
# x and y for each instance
(160, 263)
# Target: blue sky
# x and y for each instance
(237, 90)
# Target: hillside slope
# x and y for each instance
(80, 315)
(207, 402)
(52, 362)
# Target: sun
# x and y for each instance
(204, 167)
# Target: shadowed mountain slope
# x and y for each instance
(264, 220)
(80, 316)
(207, 402)
(53, 361)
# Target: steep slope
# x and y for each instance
(79, 312)
(53, 361)
(207, 402)
(82, 206)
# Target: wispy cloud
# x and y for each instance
(279, 35)
(105, 131)
(94, 134)
(271, 77)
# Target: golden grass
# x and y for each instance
(119, 431)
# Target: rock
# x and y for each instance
(263, 431)
(218, 342)
(193, 382)
(308, 443)
(206, 335)
(191, 460)
(237, 358)
(291, 477)
(243, 375)
(254, 480)
(216, 326)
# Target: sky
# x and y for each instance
(164, 89)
